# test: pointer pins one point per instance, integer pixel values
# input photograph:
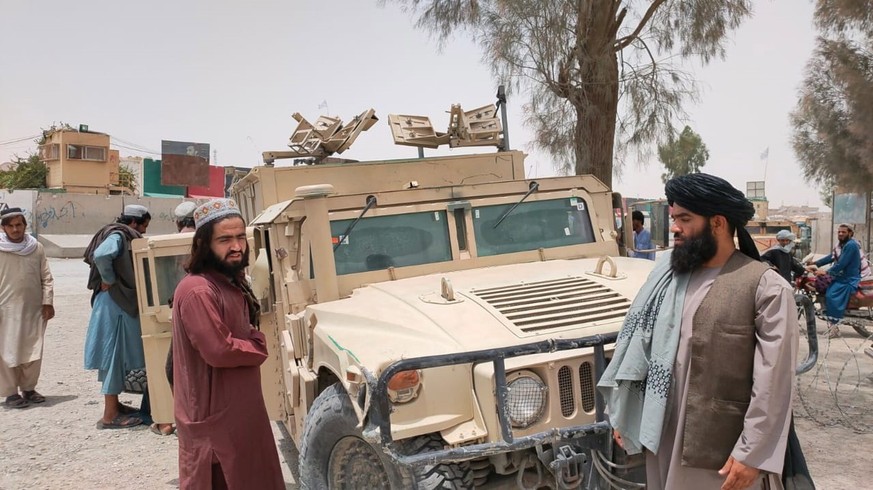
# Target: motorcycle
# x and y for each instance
(859, 311)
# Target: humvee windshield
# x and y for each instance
(402, 240)
(532, 225)
(398, 240)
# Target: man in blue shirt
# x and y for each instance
(845, 274)
(113, 342)
(643, 248)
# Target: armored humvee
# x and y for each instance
(433, 323)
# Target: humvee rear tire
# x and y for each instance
(334, 454)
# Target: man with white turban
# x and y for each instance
(26, 294)
(781, 259)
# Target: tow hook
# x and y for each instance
(567, 467)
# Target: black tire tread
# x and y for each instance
(136, 381)
(332, 411)
(445, 476)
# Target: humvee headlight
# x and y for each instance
(403, 386)
(526, 398)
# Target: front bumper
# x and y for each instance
(378, 426)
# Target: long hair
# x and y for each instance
(127, 220)
(202, 258)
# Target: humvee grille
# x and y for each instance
(541, 306)
(587, 382)
(565, 387)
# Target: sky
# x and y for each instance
(231, 73)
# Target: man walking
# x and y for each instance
(702, 375)
(225, 439)
(643, 247)
(26, 294)
(113, 343)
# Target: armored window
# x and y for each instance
(399, 240)
(169, 271)
(147, 278)
(532, 225)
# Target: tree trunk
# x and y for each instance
(595, 121)
(596, 97)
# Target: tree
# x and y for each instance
(29, 173)
(683, 156)
(584, 61)
(127, 178)
(833, 119)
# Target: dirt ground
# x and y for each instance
(56, 445)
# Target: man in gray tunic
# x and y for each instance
(702, 376)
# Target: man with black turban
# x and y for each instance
(703, 370)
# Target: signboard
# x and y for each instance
(850, 208)
(184, 163)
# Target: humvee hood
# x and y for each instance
(493, 307)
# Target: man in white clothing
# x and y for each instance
(26, 293)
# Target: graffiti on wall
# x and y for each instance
(65, 214)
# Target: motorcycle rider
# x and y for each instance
(849, 266)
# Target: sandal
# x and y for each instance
(120, 422)
(33, 397)
(162, 429)
(16, 401)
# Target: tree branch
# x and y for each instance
(625, 41)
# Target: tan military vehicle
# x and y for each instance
(433, 323)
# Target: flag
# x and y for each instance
(323, 104)
(765, 154)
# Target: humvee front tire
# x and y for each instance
(334, 454)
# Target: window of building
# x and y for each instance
(91, 153)
(49, 152)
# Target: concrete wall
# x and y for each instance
(77, 214)
(65, 222)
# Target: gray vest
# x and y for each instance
(723, 345)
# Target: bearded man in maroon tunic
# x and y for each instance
(225, 439)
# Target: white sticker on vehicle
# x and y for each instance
(567, 231)
(476, 214)
(580, 205)
(436, 215)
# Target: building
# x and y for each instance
(80, 161)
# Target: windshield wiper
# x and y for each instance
(533, 187)
(371, 201)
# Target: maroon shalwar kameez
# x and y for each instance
(219, 407)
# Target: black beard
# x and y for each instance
(227, 268)
(696, 251)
